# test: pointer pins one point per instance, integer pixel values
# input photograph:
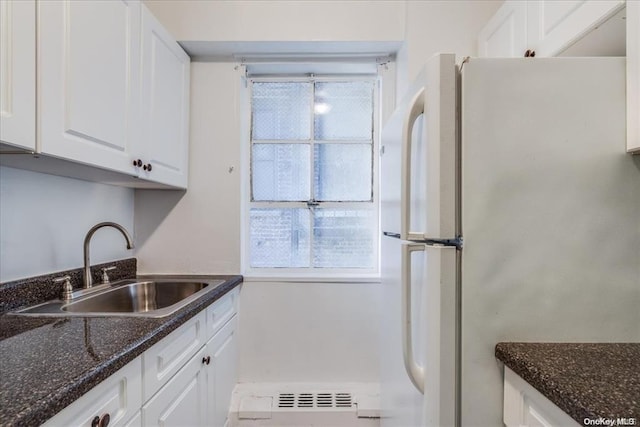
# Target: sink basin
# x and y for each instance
(152, 298)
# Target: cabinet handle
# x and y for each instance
(104, 421)
(137, 163)
(147, 167)
(206, 360)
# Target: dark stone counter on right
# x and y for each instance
(585, 380)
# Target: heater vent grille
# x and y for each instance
(315, 400)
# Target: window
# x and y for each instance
(313, 199)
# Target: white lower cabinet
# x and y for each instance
(200, 393)
(118, 398)
(182, 401)
(186, 379)
(524, 406)
(222, 372)
(166, 358)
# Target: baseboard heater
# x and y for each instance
(305, 404)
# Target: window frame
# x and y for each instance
(309, 273)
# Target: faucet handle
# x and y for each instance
(67, 288)
(105, 276)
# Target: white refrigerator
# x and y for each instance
(510, 212)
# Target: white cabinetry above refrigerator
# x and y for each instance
(112, 100)
(545, 27)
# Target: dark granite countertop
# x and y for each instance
(48, 363)
(584, 380)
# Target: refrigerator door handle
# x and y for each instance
(414, 370)
(416, 109)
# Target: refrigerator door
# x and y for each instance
(418, 334)
(441, 302)
(418, 161)
(551, 213)
(401, 401)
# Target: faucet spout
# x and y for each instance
(88, 280)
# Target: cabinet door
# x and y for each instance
(165, 104)
(222, 371)
(165, 358)
(182, 401)
(524, 406)
(88, 69)
(555, 25)
(633, 76)
(18, 73)
(505, 34)
(120, 396)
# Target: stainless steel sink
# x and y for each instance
(152, 298)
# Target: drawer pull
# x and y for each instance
(104, 421)
(101, 421)
(206, 360)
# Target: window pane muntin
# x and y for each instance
(343, 110)
(279, 237)
(280, 172)
(270, 99)
(343, 238)
(343, 172)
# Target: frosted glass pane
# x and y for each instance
(281, 111)
(343, 238)
(279, 237)
(343, 110)
(280, 172)
(342, 172)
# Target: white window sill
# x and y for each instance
(373, 279)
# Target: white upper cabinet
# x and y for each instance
(89, 69)
(633, 76)
(165, 105)
(18, 73)
(505, 35)
(555, 25)
(112, 101)
(547, 27)
(571, 28)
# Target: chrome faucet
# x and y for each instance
(88, 280)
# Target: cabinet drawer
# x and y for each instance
(221, 311)
(164, 359)
(120, 396)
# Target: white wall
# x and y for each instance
(288, 331)
(440, 27)
(260, 20)
(44, 218)
(317, 332)
(199, 231)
